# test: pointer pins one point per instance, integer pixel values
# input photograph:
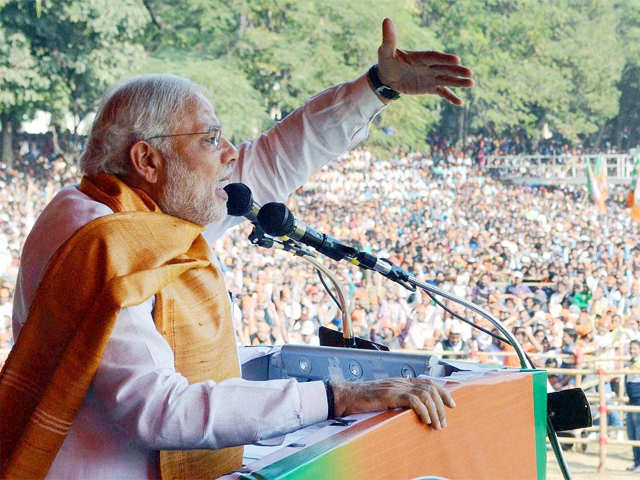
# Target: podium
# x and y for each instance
(496, 431)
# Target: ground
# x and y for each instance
(583, 466)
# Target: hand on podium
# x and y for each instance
(425, 398)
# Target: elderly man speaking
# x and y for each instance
(125, 364)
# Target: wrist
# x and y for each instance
(340, 398)
(384, 92)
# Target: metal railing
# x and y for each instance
(560, 168)
(602, 399)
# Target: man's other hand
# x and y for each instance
(419, 72)
(425, 398)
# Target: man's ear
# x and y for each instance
(146, 161)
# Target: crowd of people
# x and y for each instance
(480, 147)
(542, 260)
(564, 278)
(26, 186)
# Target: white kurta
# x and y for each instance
(138, 403)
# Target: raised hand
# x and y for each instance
(419, 72)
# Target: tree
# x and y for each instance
(626, 125)
(287, 51)
(22, 88)
(533, 63)
(76, 48)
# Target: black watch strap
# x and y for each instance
(381, 88)
(331, 403)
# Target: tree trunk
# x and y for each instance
(617, 134)
(7, 139)
(461, 117)
(55, 138)
(598, 140)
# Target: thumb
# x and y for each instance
(388, 47)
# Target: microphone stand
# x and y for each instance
(400, 276)
(260, 238)
(347, 329)
(407, 280)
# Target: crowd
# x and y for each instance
(543, 261)
(563, 277)
(479, 147)
(25, 188)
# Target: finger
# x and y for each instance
(454, 81)
(457, 70)
(432, 57)
(439, 406)
(418, 406)
(388, 46)
(427, 401)
(446, 397)
(448, 95)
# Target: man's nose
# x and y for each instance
(229, 151)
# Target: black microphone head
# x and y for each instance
(240, 199)
(276, 219)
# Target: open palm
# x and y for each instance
(419, 72)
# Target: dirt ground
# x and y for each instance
(583, 466)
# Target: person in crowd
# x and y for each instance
(517, 288)
(555, 380)
(570, 347)
(632, 384)
(453, 343)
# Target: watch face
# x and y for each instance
(387, 92)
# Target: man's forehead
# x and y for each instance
(199, 116)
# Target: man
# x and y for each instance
(126, 365)
(453, 343)
(425, 326)
(633, 390)
(517, 287)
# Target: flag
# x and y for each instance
(633, 199)
(594, 188)
(602, 177)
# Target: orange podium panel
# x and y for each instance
(496, 431)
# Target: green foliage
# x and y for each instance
(570, 64)
(535, 61)
(287, 51)
(21, 85)
(77, 48)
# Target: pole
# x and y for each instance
(603, 421)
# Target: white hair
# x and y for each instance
(139, 108)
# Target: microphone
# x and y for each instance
(277, 220)
(241, 203)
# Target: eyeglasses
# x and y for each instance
(215, 130)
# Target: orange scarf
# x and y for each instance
(113, 262)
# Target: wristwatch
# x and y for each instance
(379, 87)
